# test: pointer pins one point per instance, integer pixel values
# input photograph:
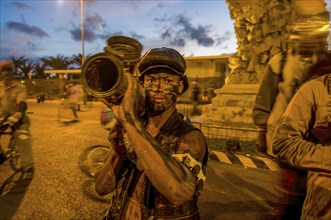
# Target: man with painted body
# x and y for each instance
(156, 161)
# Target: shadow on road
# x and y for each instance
(10, 202)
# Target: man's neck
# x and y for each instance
(156, 122)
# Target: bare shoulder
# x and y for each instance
(194, 142)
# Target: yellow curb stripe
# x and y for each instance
(270, 163)
(246, 161)
(222, 157)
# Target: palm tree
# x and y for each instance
(39, 70)
(26, 69)
(77, 59)
(58, 62)
(18, 63)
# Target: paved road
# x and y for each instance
(235, 189)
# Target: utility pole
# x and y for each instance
(82, 22)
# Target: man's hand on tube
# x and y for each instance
(127, 110)
(115, 138)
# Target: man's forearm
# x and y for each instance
(299, 152)
(105, 177)
(159, 166)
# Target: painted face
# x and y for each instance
(161, 90)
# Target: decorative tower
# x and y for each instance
(263, 29)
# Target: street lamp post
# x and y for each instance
(82, 22)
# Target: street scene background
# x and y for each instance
(58, 190)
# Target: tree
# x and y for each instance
(39, 70)
(77, 59)
(26, 68)
(19, 63)
(58, 62)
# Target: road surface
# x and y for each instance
(232, 191)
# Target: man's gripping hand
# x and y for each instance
(126, 111)
(116, 139)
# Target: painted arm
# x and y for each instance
(167, 174)
(106, 177)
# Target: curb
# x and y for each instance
(256, 162)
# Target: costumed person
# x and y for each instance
(284, 74)
(303, 140)
(13, 108)
(156, 165)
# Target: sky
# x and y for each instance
(44, 28)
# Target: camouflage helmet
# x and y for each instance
(165, 59)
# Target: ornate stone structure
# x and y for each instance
(262, 29)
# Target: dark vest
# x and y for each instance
(169, 137)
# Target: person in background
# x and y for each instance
(67, 111)
(107, 119)
(156, 165)
(41, 97)
(284, 74)
(303, 140)
(81, 96)
(195, 98)
(13, 108)
(72, 99)
(205, 95)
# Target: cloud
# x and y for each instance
(89, 34)
(95, 28)
(106, 35)
(149, 5)
(93, 24)
(18, 44)
(179, 29)
(27, 29)
(95, 21)
(21, 5)
(136, 36)
(222, 39)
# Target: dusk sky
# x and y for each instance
(35, 29)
